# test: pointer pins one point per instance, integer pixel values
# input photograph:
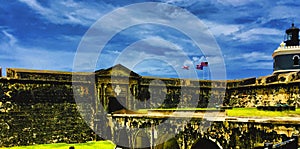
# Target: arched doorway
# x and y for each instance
(122, 139)
(296, 60)
(205, 143)
(165, 142)
(114, 104)
(141, 140)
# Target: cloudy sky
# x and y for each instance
(236, 37)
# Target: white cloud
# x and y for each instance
(157, 56)
(195, 59)
(36, 6)
(256, 34)
(70, 12)
(235, 3)
(282, 12)
(11, 39)
(222, 29)
(70, 38)
(188, 63)
(259, 65)
(252, 56)
(31, 57)
(180, 2)
(252, 60)
(241, 32)
(241, 20)
(159, 42)
(43, 59)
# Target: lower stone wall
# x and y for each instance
(39, 112)
(227, 134)
(264, 95)
(43, 123)
(177, 96)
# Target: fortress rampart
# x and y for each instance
(38, 106)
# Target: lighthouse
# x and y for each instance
(286, 57)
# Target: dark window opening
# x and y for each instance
(296, 60)
(289, 36)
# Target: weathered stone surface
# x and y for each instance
(227, 134)
(38, 106)
(40, 111)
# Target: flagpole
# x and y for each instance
(203, 73)
(208, 73)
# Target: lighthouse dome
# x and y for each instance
(286, 58)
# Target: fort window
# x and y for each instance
(289, 36)
(296, 59)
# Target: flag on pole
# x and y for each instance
(200, 67)
(204, 64)
(185, 67)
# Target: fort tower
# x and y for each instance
(286, 57)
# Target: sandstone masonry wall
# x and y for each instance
(269, 91)
(40, 111)
(38, 106)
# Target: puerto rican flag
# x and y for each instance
(200, 67)
(204, 64)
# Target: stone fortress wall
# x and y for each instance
(267, 90)
(227, 134)
(38, 106)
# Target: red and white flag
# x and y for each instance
(185, 67)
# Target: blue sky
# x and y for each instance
(46, 34)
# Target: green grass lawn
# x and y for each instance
(253, 112)
(88, 145)
(177, 109)
(241, 112)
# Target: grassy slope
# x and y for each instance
(253, 112)
(242, 112)
(89, 145)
